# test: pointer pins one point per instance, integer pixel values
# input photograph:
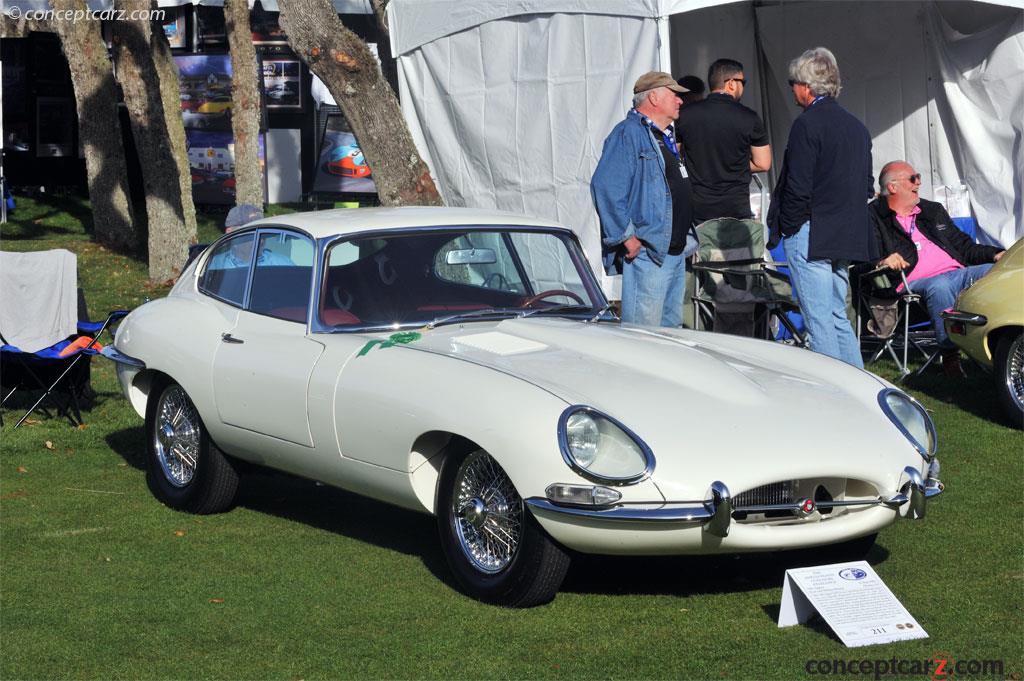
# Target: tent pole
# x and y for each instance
(664, 46)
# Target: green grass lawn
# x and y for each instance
(99, 580)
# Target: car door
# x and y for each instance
(261, 369)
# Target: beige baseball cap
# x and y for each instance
(653, 79)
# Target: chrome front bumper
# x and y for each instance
(716, 513)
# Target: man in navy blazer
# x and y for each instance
(819, 206)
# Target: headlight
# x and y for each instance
(912, 420)
(600, 448)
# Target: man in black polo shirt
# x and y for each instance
(723, 142)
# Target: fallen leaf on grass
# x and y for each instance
(216, 600)
(49, 445)
(122, 465)
(83, 426)
(22, 469)
(32, 422)
(13, 495)
(179, 533)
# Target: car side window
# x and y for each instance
(227, 270)
(283, 276)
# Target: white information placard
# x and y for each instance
(852, 599)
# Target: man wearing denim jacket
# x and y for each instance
(642, 195)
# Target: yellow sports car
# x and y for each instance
(988, 324)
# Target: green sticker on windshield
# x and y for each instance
(401, 338)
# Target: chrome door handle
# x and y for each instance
(228, 338)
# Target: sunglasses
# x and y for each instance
(741, 81)
(913, 179)
(795, 82)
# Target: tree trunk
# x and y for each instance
(387, 62)
(136, 71)
(98, 128)
(347, 67)
(170, 95)
(245, 103)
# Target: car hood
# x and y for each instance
(710, 406)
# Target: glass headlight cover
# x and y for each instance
(912, 420)
(600, 448)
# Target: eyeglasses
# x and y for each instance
(741, 81)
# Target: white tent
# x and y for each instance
(510, 101)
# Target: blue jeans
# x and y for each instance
(652, 294)
(939, 293)
(820, 288)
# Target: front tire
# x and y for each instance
(1009, 375)
(493, 545)
(184, 469)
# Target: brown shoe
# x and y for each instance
(951, 365)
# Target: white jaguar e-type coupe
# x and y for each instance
(465, 363)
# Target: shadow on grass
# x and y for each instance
(374, 522)
(696, 575)
(345, 513)
(27, 221)
(130, 445)
(975, 394)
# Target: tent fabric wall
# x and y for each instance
(513, 114)
(979, 106)
(892, 56)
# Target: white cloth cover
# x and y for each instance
(38, 298)
(981, 109)
(513, 114)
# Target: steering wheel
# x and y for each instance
(551, 293)
(496, 278)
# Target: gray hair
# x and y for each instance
(886, 176)
(640, 97)
(818, 70)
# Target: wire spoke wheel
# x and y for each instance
(487, 513)
(176, 438)
(1015, 372)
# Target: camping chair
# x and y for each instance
(44, 342)
(894, 321)
(737, 291)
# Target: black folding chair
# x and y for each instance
(738, 291)
(893, 322)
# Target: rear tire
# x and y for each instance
(184, 469)
(494, 546)
(1009, 376)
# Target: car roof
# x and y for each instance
(340, 221)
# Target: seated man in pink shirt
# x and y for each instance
(921, 239)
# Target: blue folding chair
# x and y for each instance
(54, 374)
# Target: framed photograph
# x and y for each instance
(266, 31)
(282, 83)
(204, 82)
(341, 167)
(175, 29)
(212, 33)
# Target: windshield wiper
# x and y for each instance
(469, 314)
(554, 308)
(597, 317)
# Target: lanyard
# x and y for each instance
(670, 140)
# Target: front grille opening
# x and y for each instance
(793, 491)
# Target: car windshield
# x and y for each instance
(446, 276)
